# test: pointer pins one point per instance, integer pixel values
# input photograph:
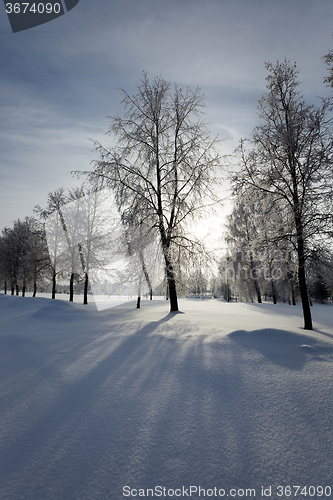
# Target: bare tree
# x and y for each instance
(291, 160)
(162, 164)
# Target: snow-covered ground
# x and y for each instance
(101, 301)
(226, 396)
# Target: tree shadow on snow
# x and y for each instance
(283, 348)
(150, 411)
(81, 395)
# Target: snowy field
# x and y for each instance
(226, 396)
(101, 301)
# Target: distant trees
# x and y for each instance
(242, 239)
(321, 274)
(24, 259)
(162, 165)
(261, 259)
(290, 159)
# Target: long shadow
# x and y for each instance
(323, 333)
(283, 348)
(268, 308)
(151, 327)
(77, 397)
(150, 413)
(207, 428)
(83, 335)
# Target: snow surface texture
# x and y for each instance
(220, 395)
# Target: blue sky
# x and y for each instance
(59, 81)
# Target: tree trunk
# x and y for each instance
(23, 289)
(145, 272)
(54, 284)
(71, 288)
(138, 302)
(5, 287)
(258, 292)
(35, 288)
(302, 278)
(227, 294)
(173, 295)
(86, 277)
(171, 285)
(273, 292)
(304, 297)
(17, 289)
(292, 289)
(85, 296)
(256, 284)
(170, 274)
(293, 298)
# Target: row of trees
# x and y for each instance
(81, 237)
(75, 237)
(24, 257)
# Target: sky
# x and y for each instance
(60, 81)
